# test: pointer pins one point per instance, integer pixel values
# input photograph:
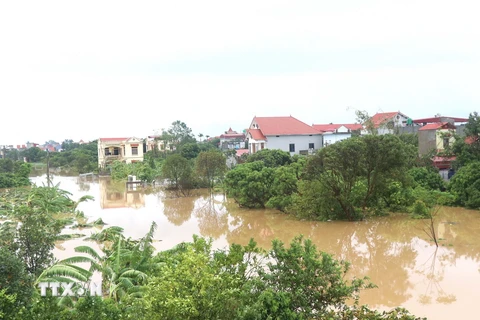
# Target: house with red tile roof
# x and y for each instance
(337, 132)
(284, 133)
(387, 122)
(435, 136)
(127, 150)
(232, 140)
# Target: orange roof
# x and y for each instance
(275, 126)
(379, 118)
(437, 125)
(241, 151)
(332, 127)
(256, 134)
(113, 139)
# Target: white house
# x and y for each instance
(386, 122)
(285, 133)
(336, 132)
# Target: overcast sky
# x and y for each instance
(89, 69)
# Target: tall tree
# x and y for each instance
(177, 169)
(211, 165)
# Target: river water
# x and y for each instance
(394, 252)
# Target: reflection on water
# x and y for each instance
(394, 251)
(115, 194)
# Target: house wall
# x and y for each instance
(256, 145)
(301, 142)
(331, 138)
(129, 156)
(427, 141)
(439, 138)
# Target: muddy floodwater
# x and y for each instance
(394, 251)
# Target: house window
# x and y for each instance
(262, 146)
(107, 151)
(134, 151)
(446, 142)
(292, 147)
(311, 146)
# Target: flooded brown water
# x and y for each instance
(393, 251)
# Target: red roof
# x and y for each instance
(332, 127)
(241, 151)
(439, 119)
(437, 126)
(113, 139)
(256, 134)
(275, 126)
(232, 134)
(380, 118)
(443, 162)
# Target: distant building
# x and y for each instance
(284, 133)
(232, 140)
(127, 150)
(337, 132)
(435, 136)
(388, 122)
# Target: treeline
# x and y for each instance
(189, 281)
(360, 176)
(14, 173)
(74, 158)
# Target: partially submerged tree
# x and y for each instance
(211, 166)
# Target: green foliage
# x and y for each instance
(250, 184)
(467, 150)
(211, 166)
(420, 209)
(433, 198)
(79, 158)
(190, 150)
(284, 185)
(142, 170)
(465, 185)
(15, 283)
(33, 154)
(271, 157)
(314, 202)
(426, 177)
(409, 139)
(356, 174)
(179, 171)
(14, 173)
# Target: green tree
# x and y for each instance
(356, 173)
(467, 149)
(250, 184)
(178, 170)
(178, 134)
(427, 177)
(14, 281)
(14, 173)
(465, 185)
(271, 157)
(33, 154)
(211, 166)
(190, 150)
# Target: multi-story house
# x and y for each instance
(232, 140)
(127, 150)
